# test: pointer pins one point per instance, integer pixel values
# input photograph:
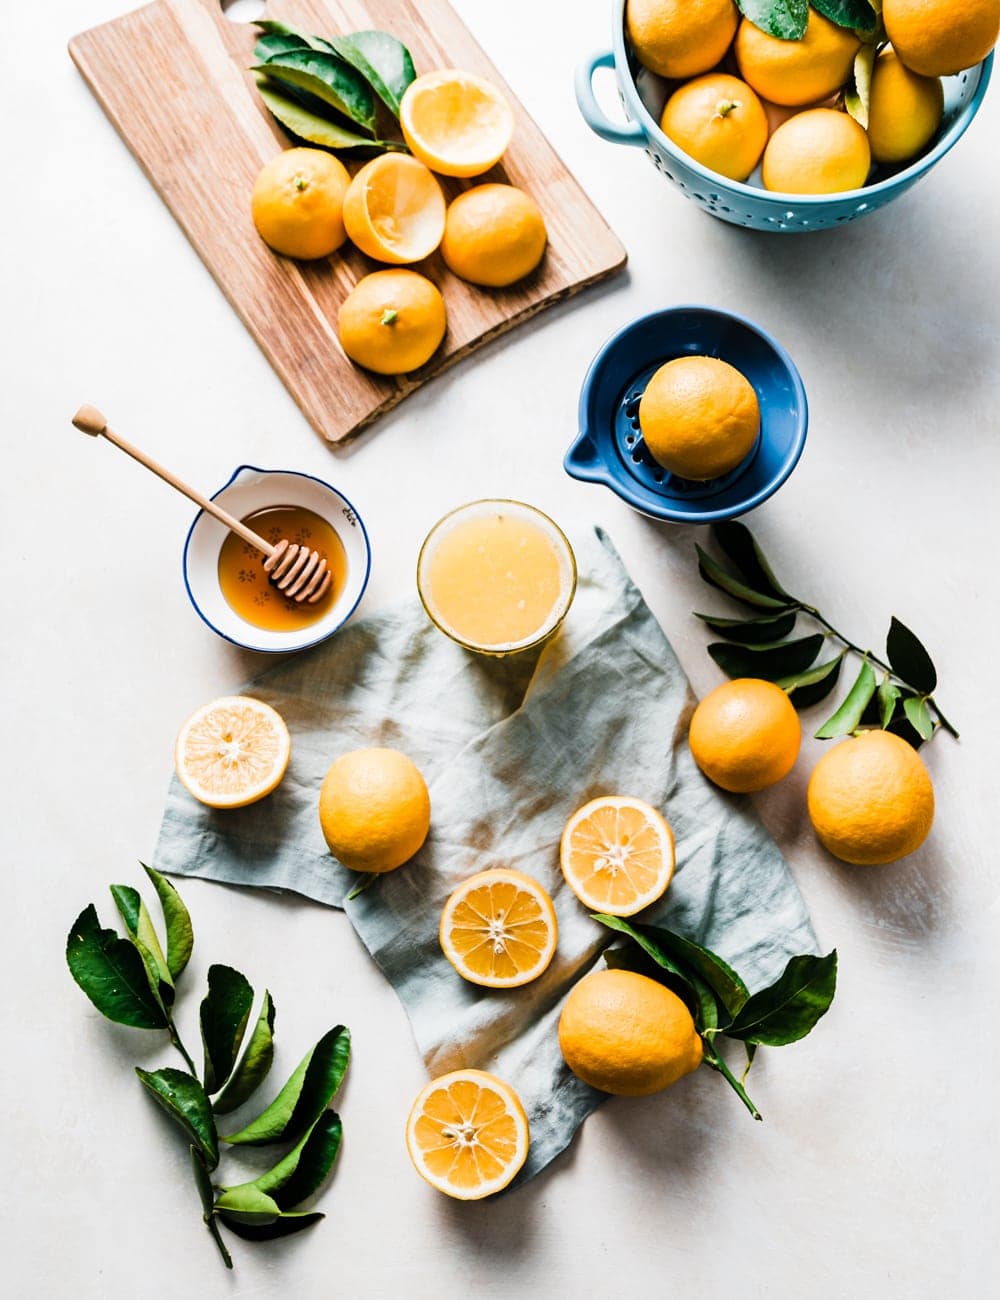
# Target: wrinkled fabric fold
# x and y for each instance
(510, 748)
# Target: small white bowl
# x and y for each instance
(252, 489)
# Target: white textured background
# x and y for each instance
(874, 1173)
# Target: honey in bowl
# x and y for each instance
(245, 584)
(496, 576)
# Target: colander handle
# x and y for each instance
(593, 114)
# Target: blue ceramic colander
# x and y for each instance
(643, 96)
(609, 447)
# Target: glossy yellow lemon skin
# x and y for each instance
(297, 203)
(392, 322)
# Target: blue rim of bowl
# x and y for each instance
(643, 504)
(915, 170)
(276, 650)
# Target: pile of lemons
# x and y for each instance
(741, 96)
(305, 205)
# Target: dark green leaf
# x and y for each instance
(908, 658)
(384, 62)
(727, 985)
(184, 1099)
(272, 28)
(716, 576)
(283, 1226)
(254, 1065)
(815, 684)
(305, 1096)
(202, 1180)
(919, 716)
(225, 1011)
(700, 998)
(772, 662)
(751, 631)
(785, 19)
(306, 125)
(902, 727)
(847, 717)
(739, 544)
(328, 78)
(111, 972)
(888, 696)
(857, 14)
(304, 1169)
(269, 47)
(139, 925)
(180, 934)
(790, 1008)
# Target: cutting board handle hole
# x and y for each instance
(244, 11)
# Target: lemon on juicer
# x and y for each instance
(699, 417)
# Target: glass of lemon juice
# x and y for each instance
(496, 576)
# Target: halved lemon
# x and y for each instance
(232, 751)
(394, 209)
(498, 929)
(617, 854)
(456, 123)
(467, 1134)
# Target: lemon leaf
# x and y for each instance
(184, 1099)
(327, 78)
(858, 98)
(384, 62)
(254, 1064)
(307, 125)
(270, 27)
(177, 919)
(716, 576)
(908, 658)
(813, 685)
(847, 717)
(785, 19)
(856, 14)
(772, 662)
(751, 631)
(790, 1008)
(919, 717)
(224, 1013)
(112, 973)
(738, 543)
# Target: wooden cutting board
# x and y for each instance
(173, 79)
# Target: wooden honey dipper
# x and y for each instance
(298, 573)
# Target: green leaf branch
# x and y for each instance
(718, 998)
(132, 981)
(762, 646)
(332, 92)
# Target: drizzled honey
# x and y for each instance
(245, 585)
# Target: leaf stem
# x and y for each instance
(714, 1061)
(873, 658)
(212, 1224)
(175, 1039)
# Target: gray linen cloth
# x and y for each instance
(510, 748)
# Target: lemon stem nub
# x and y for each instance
(389, 316)
(300, 183)
(725, 106)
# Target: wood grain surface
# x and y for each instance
(173, 79)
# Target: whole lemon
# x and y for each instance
(820, 151)
(796, 72)
(718, 121)
(298, 202)
(493, 235)
(680, 38)
(871, 799)
(626, 1034)
(699, 417)
(392, 322)
(938, 38)
(905, 110)
(745, 735)
(374, 809)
